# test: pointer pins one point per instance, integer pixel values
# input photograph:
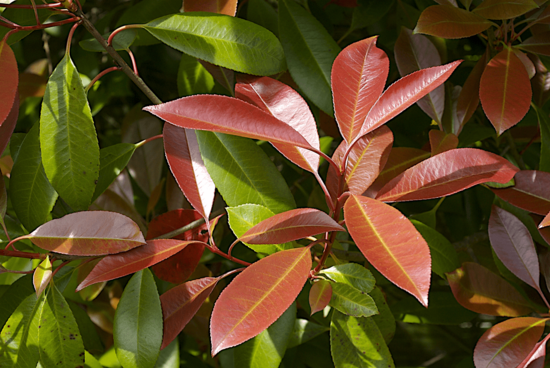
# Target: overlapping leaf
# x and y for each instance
(358, 77)
(508, 343)
(305, 330)
(450, 22)
(352, 301)
(441, 142)
(468, 99)
(258, 296)
(42, 276)
(531, 191)
(538, 44)
(8, 125)
(498, 9)
(545, 222)
(505, 91)
(319, 295)
(227, 7)
(447, 173)
(390, 243)
(536, 357)
(113, 160)
(351, 274)
(8, 80)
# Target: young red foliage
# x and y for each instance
(441, 142)
(9, 80)
(319, 295)
(257, 297)
(531, 191)
(8, 125)
(391, 244)
(469, 95)
(497, 9)
(227, 7)
(536, 357)
(538, 44)
(450, 22)
(545, 222)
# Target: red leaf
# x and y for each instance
(536, 357)
(227, 7)
(287, 105)
(441, 142)
(9, 79)
(89, 233)
(508, 343)
(122, 264)
(450, 22)
(319, 295)
(224, 114)
(185, 161)
(545, 222)
(366, 158)
(335, 182)
(7, 127)
(181, 303)
(469, 96)
(257, 297)
(391, 244)
(180, 266)
(479, 290)
(31, 85)
(531, 192)
(359, 74)
(405, 92)
(498, 9)
(514, 246)
(290, 225)
(537, 44)
(447, 173)
(505, 90)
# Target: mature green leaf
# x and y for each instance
(384, 319)
(138, 322)
(32, 195)
(113, 160)
(70, 151)
(443, 310)
(370, 12)
(59, 338)
(262, 13)
(193, 78)
(351, 274)
(90, 337)
(544, 123)
(13, 296)
(122, 41)
(243, 173)
(169, 357)
(310, 52)
(23, 17)
(222, 40)
(304, 331)
(351, 301)
(357, 342)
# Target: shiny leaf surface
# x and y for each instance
(441, 142)
(531, 191)
(450, 22)
(8, 125)
(8, 80)
(319, 295)
(351, 274)
(351, 301)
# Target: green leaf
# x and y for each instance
(193, 78)
(59, 338)
(262, 13)
(138, 322)
(32, 195)
(70, 151)
(384, 319)
(351, 274)
(222, 40)
(113, 160)
(444, 256)
(91, 361)
(90, 338)
(243, 173)
(122, 41)
(370, 12)
(357, 342)
(544, 122)
(304, 331)
(13, 296)
(23, 17)
(310, 52)
(267, 349)
(244, 217)
(169, 357)
(351, 301)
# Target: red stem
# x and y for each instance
(134, 64)
(60, 267)
(6, 231)
(120, 29)
(70, 37)
(40, 6)
(18, 254)
(328, 198)
(9, 23)
(145, 141)
(220, 253)
(97, 77)
(38, 22)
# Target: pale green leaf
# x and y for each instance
(351, 301)
(193, 78)
(351, 274)
(91, 361)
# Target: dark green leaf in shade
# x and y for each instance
(444, 256)
(384, 319)
(443, 310)
(138, 322)
(70, 151)
(113, 160)
(351, 301)
(58, 335)
(169, 357)
(310, 52)
(90, 338)
(262, 13)
(13, 296)
(267, 349)
(351, 274)
(32, 195)
(544, 122)
(304, 331)
(357, 342)
(193, 78)
(3, 202)
(369, 12)
(23, 17)
(122, 41)
(243, 173)
(222, 40)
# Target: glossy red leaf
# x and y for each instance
(122, 264)
(441, 142)
(405, 92)
(180, 266)
(531, 191)
(227, 7)
(391, 244)
(185, 161)
(287, 105)
(508, 343)
(498, 9)
(229, 115)
(7, 127)
(545, 222)
(480, 290)
(468, 100)
(290, 225)
(537, 44)
(447, 173)
(257, 297)
(367, 158)
(319, 295)
(9, 79)
(527, 63)
(89, 233)
(358, 78)
(336, 183)
(181, 303)
(514, 246)
(415, 52)
(450, 22)
(505, 90)
(536, 357)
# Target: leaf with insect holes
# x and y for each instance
(447, 173)
(450, 22)
(257, 297)
(319, 295)
(358, 77)
(8, 125)
(508, 343)
(390, 243)
(90, 233)
(505, 90)
(531, 191)
(8, 80)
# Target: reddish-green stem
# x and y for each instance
(40, 6)
(145, 141)
(60, 267)
(97, 77)
(70, 37)
(120, 29)
(9, 23)
(134, 64)
(18, 254)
